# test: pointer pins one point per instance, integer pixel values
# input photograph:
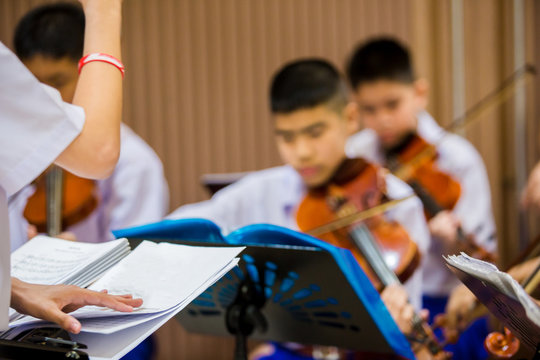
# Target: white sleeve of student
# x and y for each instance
(410, 215)
(230, 208)
(267, 196)
(35, 125)
(459, 158)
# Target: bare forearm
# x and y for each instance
(99, 92)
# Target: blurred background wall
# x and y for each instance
(198, 73)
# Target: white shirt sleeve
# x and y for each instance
(35, 127)
(459, 158)
(230, 208)
(5, 279)
(267, 196)
(410, 215)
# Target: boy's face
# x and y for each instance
(61, 74)
(313, 140)
(390, 108)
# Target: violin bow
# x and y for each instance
(357, 217)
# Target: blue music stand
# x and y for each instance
(289, 287)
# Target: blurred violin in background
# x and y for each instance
(61, 199)
(414, 161)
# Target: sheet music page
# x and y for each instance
(46, 260)
(163, 274)
(501, 280)
(112, 324)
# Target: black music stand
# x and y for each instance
(289, 287)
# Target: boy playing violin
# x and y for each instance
(312, 120)
(391, 102)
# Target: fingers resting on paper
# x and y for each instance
(52, 303)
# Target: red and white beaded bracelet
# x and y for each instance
(103, 58)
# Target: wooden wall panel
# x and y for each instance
(198, 74)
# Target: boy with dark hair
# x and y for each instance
(49, 41)
(391, 103)
(312, 120)
(52, 31)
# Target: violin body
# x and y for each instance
(78, 200)
(320, 206)
(415, 163)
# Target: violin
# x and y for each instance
(61, 199)
(383, 248)
(414, 161)
(357, 187)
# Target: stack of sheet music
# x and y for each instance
(166, 276)
(48, 261)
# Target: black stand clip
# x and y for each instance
(42, 343)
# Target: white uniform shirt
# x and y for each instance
(35, 127)
(135, 194)
(272, 196)
(458, 158)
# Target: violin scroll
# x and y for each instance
(503, 346)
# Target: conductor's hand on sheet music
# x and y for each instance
(52, 303)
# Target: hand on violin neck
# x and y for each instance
(31, 231)
(67, 235)
(461, 309)
(530, 197)
(444, 227)
(396, 300)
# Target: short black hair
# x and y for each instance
(53, 30)
(380, 59)
(307, 83)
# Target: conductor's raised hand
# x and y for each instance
(53, 302)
